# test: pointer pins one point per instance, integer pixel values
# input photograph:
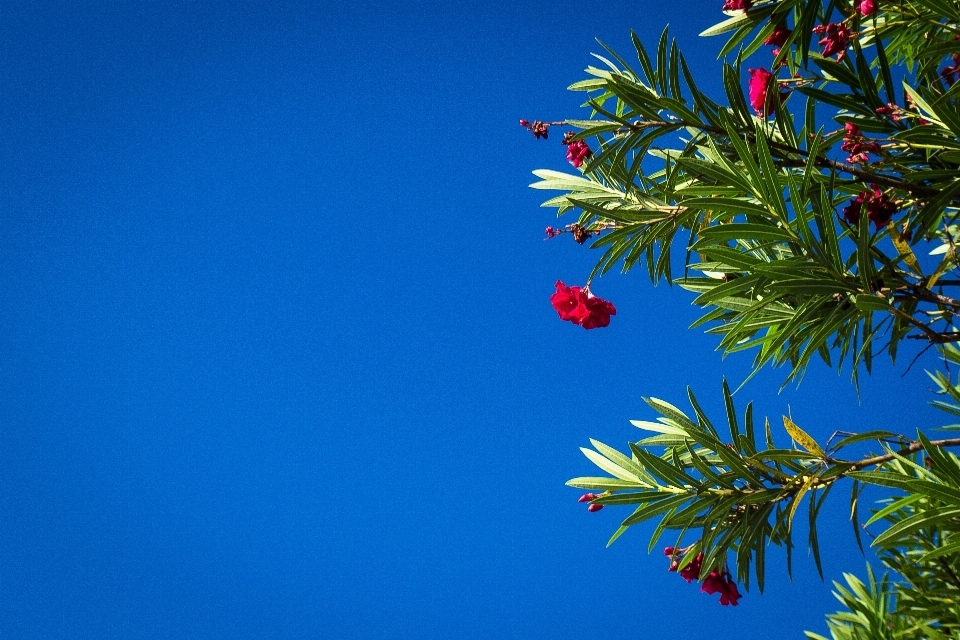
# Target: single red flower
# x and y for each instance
(759, 83)
(851, 212)
(551, 232)
(721, 582)
(691, 572)
(600, 311)
(575, 305)
(736, 5)
(835, 40)
(879, 208)
(570, 303)
(713, 584)
(577, 152)
(867, 7)
(779, 36)
(730, 594)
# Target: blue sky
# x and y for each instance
(278, 353)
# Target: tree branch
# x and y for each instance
(912, 448)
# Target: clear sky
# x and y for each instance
(277, 357)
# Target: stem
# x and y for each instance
(912, 448)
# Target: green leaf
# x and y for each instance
(610, 467)
(922, 520)
(606, 484)
(727, 25)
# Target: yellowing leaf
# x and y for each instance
(946, 264)
(807, 483)
(801, 438)
(903, 248)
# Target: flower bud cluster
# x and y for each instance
(857, 146)
(587, 497)
(539, 129)
(836, 38)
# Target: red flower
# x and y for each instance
(759, 82)
(551, 232)
(691, 572)
(721, 583)
(836, 39)
(857, 145)
(575, 305)
(736, 5)
(577, 152)
(851, 212)
(779, 36)
(569, 303)
(880, 209)
(867, 7)
(599, 314)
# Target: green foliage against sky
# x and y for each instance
(813, 215)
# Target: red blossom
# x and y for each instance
(690, 572)
(835, 40)
(867, 7)
(851, 212)
(759, 83)
(580, 307)
(858, 146)
(577, 152)
(779, 36)
(736, 5)
(551, 232)
(879, 208)
(599, 312)
(722, 583)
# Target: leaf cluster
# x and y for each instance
(755, 202)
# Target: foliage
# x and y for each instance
(793, 250)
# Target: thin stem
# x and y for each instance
(911, 448)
